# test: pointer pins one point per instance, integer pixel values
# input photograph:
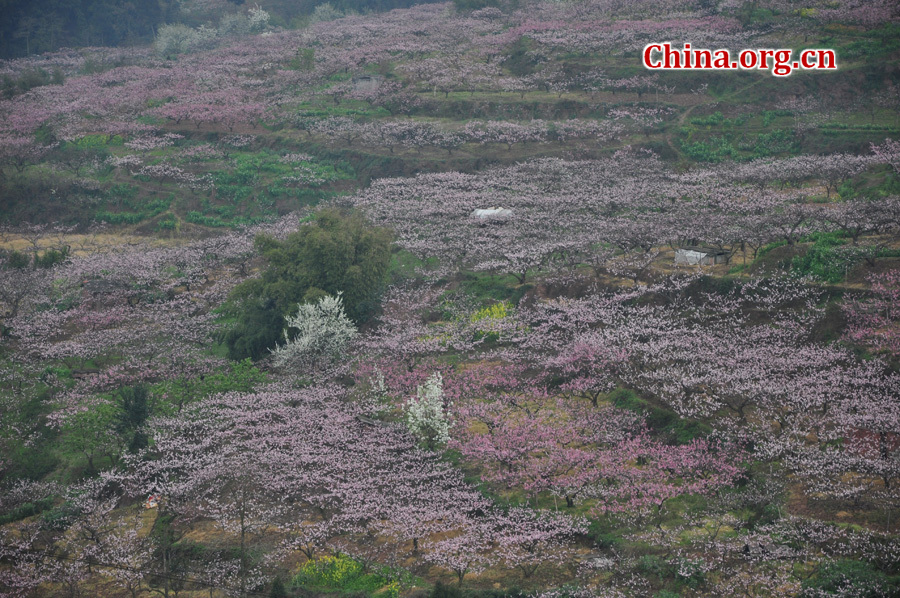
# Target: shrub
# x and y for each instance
(304, 59)
(328, 571)
(443, 591)
(278, 590)
(51, 257)
(828, 259)
(334, 253)
(168, 222)
(29, 462)
(258, 329)
(713, 119)
(134, 409)
(18, 260)
(241, 376)
(60, 518)
(652, 565)
(601, 534)
(28, 509)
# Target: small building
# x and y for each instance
(700, 256)
(367, 82)
(495, 213)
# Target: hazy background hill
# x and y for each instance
(37, 26)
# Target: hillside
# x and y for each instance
(453, 300)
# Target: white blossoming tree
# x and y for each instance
(425, 413)
(323, 333)
(259, 19)
(179, 39)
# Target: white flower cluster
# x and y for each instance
(127, 160)
(151, 142)
(239, 140)
(425, 413)
(179, 39)
(259, 19)
(377, 397)
(295, 158)
(323, 332)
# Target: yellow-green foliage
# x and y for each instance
(340, 572)
(497, 311)
(330, 570)
(392, 590)
(487, 319)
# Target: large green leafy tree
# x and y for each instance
(334, 253)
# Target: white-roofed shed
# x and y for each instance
(497, 212)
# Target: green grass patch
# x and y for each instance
(405, 265)
(663, 422)
(136, 211)
(770, 116)
(769, 247)
(737, 145)
(350, 108)
(97, 140)
(28, 509)
(718, 120)
(852, 577)
(32, 462)
(122, 191)
(604, 535)
(240, 376)
(874, 45)
(828, 259)
(167, 223)
(490, 288)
